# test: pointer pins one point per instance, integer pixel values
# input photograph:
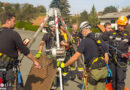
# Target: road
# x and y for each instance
(27, 64)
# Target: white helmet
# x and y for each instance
(84, 24)
(52, 23)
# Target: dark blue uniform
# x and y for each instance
(50, 39)
(94, 50)
(76, 40)
(118, 64)
(89, 48)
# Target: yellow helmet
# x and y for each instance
(122, 20)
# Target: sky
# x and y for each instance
(78, 6)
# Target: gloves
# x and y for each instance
(109, 71)
(73, 41)
(38, 55)
(60, 64)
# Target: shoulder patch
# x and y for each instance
(125, 34)
(114, 33)
(98, 41)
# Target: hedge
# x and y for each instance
(26, 26)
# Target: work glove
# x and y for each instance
(39, 54)
(109, 71)
(73, 41)
(60, 64)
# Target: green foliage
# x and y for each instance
(93, 18)
(63, 6)
(70, 29)
(26, 26)
(23, 12)
(84, 16)
(27, 12)
(113, 28)
(55, 4)
(41, 9)
(110, 9)
(73, 19)
(95, 30)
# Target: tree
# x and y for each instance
(126, 9)
(63, 6)
(9, 8)
(93, 18)
(83, 16)
(27, 12)
(41, 9)
(110, 9)
(73, 19)
(23, 12)
(55, 4)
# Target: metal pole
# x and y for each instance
(68, 34)
(58, 47)
(70, 39)
(38, 31)
(57, 31)
(60, 73)
(35, 36)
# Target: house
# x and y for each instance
(112, 18)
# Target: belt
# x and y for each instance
(6, 61)
(96, 63)
(4, 56)
(96, 59)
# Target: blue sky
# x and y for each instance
(79, 5)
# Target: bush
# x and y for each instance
(26, 25)
(95, 30)
(70, 29)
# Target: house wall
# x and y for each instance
(114, 25)
(129, 21)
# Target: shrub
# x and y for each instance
(95, 30)
(26, 25)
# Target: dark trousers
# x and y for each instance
(118, 76)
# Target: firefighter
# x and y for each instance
(96, 58)
(120, 40)
(76, 40)
(68, 50)
(10, 42)
(49, 39)
(104, 36)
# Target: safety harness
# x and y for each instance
(6, 64)
(97, 62)
(119, 42)
(97, 65)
